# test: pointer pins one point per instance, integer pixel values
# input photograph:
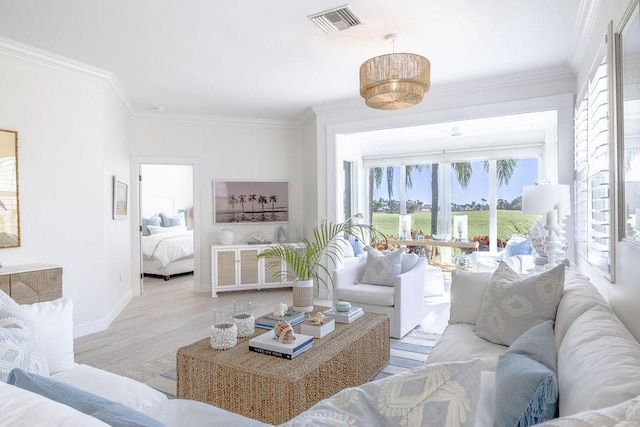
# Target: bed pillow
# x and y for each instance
(158, 230)
(172, 220)
(526, 382)
(512, 305)
(146, 222)
(433, 394)
(112, 413)
(382, 269)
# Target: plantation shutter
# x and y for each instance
(593, 174)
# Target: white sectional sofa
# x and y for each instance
(598, 360)
(598, 373)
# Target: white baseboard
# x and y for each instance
(102, 324)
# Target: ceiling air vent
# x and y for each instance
(334, 20)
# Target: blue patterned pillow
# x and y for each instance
(526, 384)
(382, 269)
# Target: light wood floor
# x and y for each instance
(171, 315)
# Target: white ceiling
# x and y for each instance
(265, 59)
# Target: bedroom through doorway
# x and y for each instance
(166, 223)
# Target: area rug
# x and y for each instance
(408, 352)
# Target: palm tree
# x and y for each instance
(375, 179)
(242, 198)
(273, 199)
(463, 172)
(262, 200)
(252, 198)
(232, 201)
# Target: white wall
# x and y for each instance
(173, 182)
(624, 294)
(227, 150)
(73, 136)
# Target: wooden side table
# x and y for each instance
(31, 283)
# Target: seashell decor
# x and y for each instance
(317, 318)
(284, 332)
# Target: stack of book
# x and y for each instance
(267, 344)
(269, 321)
(344, 316)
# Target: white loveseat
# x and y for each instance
(598, 360)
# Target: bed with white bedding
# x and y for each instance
(167, 238)
(167, 251)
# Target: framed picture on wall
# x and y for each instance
(250, 202)
(120, 198)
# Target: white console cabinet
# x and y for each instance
(236, 267)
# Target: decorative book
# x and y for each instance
(344, 316)
(269, 321)
(267, 341)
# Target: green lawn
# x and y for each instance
(509, 223)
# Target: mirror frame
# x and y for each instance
(9, 190)
(627, 232)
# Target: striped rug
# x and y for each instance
(408, 352)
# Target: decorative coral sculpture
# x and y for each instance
(317, 318)
(284, 332)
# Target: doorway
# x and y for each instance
(167, 243)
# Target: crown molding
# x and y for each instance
(515, 80)
(246, 121)
(57, 62)
(587, 14)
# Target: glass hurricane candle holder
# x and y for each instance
(224, 333)
(243, 318)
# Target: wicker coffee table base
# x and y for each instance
(274, 390)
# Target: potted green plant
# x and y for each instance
(305, 260)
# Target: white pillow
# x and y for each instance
(382, 269)
(111, 386)
(23, 408)
(598, 363)
(154, 229)
(53, 323)
(626, 414)
(467, 290)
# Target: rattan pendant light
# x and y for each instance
(395, 81)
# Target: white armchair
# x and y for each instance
(518, 254)
(403, 301)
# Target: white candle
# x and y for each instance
(552, 218)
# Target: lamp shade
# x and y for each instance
(540, 199)
(395, 81)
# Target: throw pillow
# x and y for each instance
(512, 305)
(153, 221)
(53, 323)
(518, 247)
(626, 414)
(357, 246)
(526, 383)
(112, 413)
(159, 230)
(382, 269)
(467, 290)
(172, 220)
(434, 394)
(19, 350)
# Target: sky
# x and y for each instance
(526, 173)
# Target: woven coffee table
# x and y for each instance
(274, 390)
